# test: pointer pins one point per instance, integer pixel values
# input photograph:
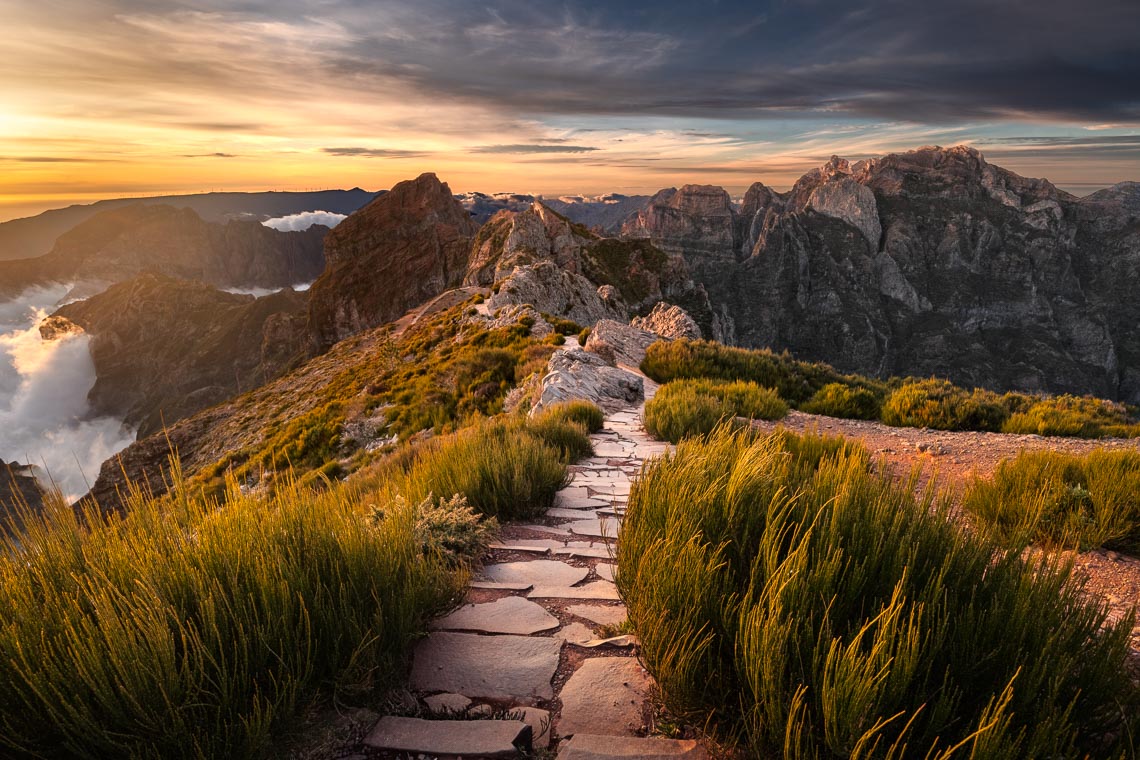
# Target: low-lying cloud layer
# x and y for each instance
(305, 220)
(43, 398)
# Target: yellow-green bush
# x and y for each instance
(800, 606)
(848, 402)
(192, 628)
(1083, 500)
(941, 405)
(685, 408)
(1075, 416)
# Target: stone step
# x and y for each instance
(511, 614)
(518, 668)
(452, 738)
(594, 747)
(605, 695)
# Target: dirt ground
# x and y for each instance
(950, 460)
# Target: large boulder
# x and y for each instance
(400, 250)
(670, 322)
(574, 374)
(553, 290)
(619, 343)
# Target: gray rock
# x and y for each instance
(511, 614)
(575, 374)
(451, 738)
(855, 204)
(489, 667)
(600, 747)
(606, 695)
(446, 702)
(619, 343)
(546, 572)
(601, 614)
(669, 322)
(595, 590)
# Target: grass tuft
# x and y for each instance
(803, 607)
(686, 408)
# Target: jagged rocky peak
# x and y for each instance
(514, 238)
(695, 220)
(400, 250)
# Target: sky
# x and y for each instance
(113, 98)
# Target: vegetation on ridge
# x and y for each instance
(817, 388)
(695, 407)
(800, 606)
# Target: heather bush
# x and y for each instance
(846, 401)
(694, 407)
(1082, 500)
(800, 606)
(1075, 416)
(941, 405)
(584, 412)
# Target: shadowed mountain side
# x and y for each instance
(400, 250)
(34, 236)
(166, 348)
(116, 245)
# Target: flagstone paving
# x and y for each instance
(529, 642)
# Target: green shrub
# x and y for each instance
(1076, 416)
(684, 408)
(567, 437)
(820, 611)
(848, 402)
(188, 627)
(796, 381)
(449, 528)
(588, 414)
(941, 405)
(1085, 500)
(583, 336)
(563, 326)
(504, 469)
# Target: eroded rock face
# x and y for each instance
(18, 488)
(513, 239)
(575, 374)
(553, 290)
(934, 262)
(697, 221)
(669, 322)
(165, 348)
(400, 250)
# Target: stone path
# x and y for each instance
(539, 641)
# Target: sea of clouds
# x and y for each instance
(305, 220)
(44, 415)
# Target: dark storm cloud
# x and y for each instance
(544, 147)
(894, 59)
(373, 152)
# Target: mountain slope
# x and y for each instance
(115, 245)
(36, 235)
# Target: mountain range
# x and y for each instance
(930, 262)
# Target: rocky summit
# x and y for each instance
(403, 248)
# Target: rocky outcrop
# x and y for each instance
(19, 490)
(574, 374)
(552, 290)
(517, 239)
(400, 250)
(116, 245)
(669, 322)
(928, 262)
(619, 343)
(697, 221)
(165, 348)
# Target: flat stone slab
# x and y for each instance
(539, 572)
(451, 738)
(545, 529)
(595, 590)
(602, 614)
(597, 747)
(605, 571)
(571, 514)
(576, 633)
(602, 527)
(540, 725)
(494, 586)
(577, 502)
(511, 614)
(592, 552)
(605, 695)
(490, 667)
(443, 703)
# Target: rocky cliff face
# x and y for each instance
(165, 348)
(927, 262)
(19, 489)
(114, 246)
(400, 250)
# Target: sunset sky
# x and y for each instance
(106, 98)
